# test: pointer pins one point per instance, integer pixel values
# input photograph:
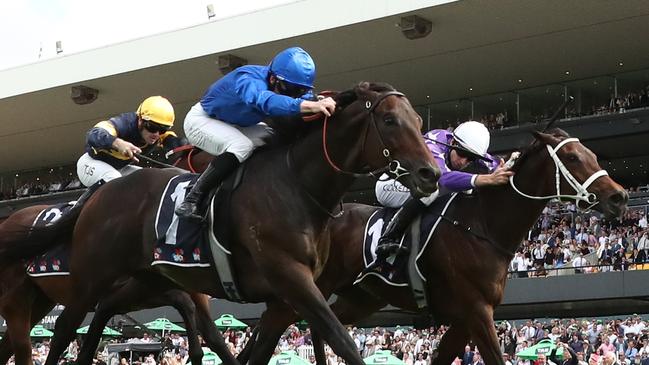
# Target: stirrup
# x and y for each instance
(390, 248)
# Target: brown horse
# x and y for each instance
(25, 300)
(465, 272)
(280, 214)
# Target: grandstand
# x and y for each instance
(508, 64)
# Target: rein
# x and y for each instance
(582, 193)
(146, 158)
(341, 211)
(393, 167)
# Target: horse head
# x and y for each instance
(575, 174)
(391, 136)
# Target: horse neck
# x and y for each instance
(515, 214)
(313, 171)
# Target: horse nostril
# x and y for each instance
(429, 174)
(619, 198)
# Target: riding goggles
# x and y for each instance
(154, 127)
(292, 90)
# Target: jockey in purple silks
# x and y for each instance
(454, 152)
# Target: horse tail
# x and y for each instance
(25, 242)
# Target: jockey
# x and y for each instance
(111, 144)
(455, 152)
(226, 121)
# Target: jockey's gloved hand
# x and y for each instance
(127, 149)
(325, 106)
(500, 176)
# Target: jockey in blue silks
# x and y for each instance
(227, 121)
(453, 151)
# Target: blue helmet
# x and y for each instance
(295, 66)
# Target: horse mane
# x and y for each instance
(289, 129)
(535, 146)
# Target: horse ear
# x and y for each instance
(544, 137)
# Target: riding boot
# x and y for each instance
(389, 242)
(220, 167)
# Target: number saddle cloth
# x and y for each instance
(403, 270)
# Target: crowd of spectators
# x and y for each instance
(564, 241)
(620, 104)
(624, 340)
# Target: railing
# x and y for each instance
(571, 270)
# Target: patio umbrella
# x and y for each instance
(383, 357)
(164, 325)
(228, 321)
(287, 358)
(106, 332)
(209, 357)
(544, 347)
(40, 331)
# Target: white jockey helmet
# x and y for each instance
(473, 136)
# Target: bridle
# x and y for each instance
(582, 193)
(393, 167)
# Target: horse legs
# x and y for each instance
(301, 293)
(211, 334)
(244, 355)
(65, 328)
(352, 305)
(274, 321)
(318, 348)
(136, 291)
(483, 332)
(28, 306)
(6, 349)
(452, 344)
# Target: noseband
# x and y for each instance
(393, 167)
(561, 170)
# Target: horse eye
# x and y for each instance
(573, 158)
(390, 119)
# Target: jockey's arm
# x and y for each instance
(102, 135)
(254, 92)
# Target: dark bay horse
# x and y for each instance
(25, 300)
(281, 213)
(465, 272)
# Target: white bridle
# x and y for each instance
(581, 189)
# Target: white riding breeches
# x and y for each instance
(91, 170)
(216, 137)
(391, 193)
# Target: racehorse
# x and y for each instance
(280, 213)
(465, 263)
(25, 300)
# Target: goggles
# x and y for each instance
(154, 127)
(292, 90)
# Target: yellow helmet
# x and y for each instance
(158, 110)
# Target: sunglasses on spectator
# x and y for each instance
(292, 90)
(154, 127)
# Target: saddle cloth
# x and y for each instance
(179, 242)
(57, 260)
(396, 271)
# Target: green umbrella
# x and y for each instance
(40, 331)
(164, 325)
(287, 358)
(106, 332)
(544, 347)
(209, 357)
(383, 357)
(228, 321)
